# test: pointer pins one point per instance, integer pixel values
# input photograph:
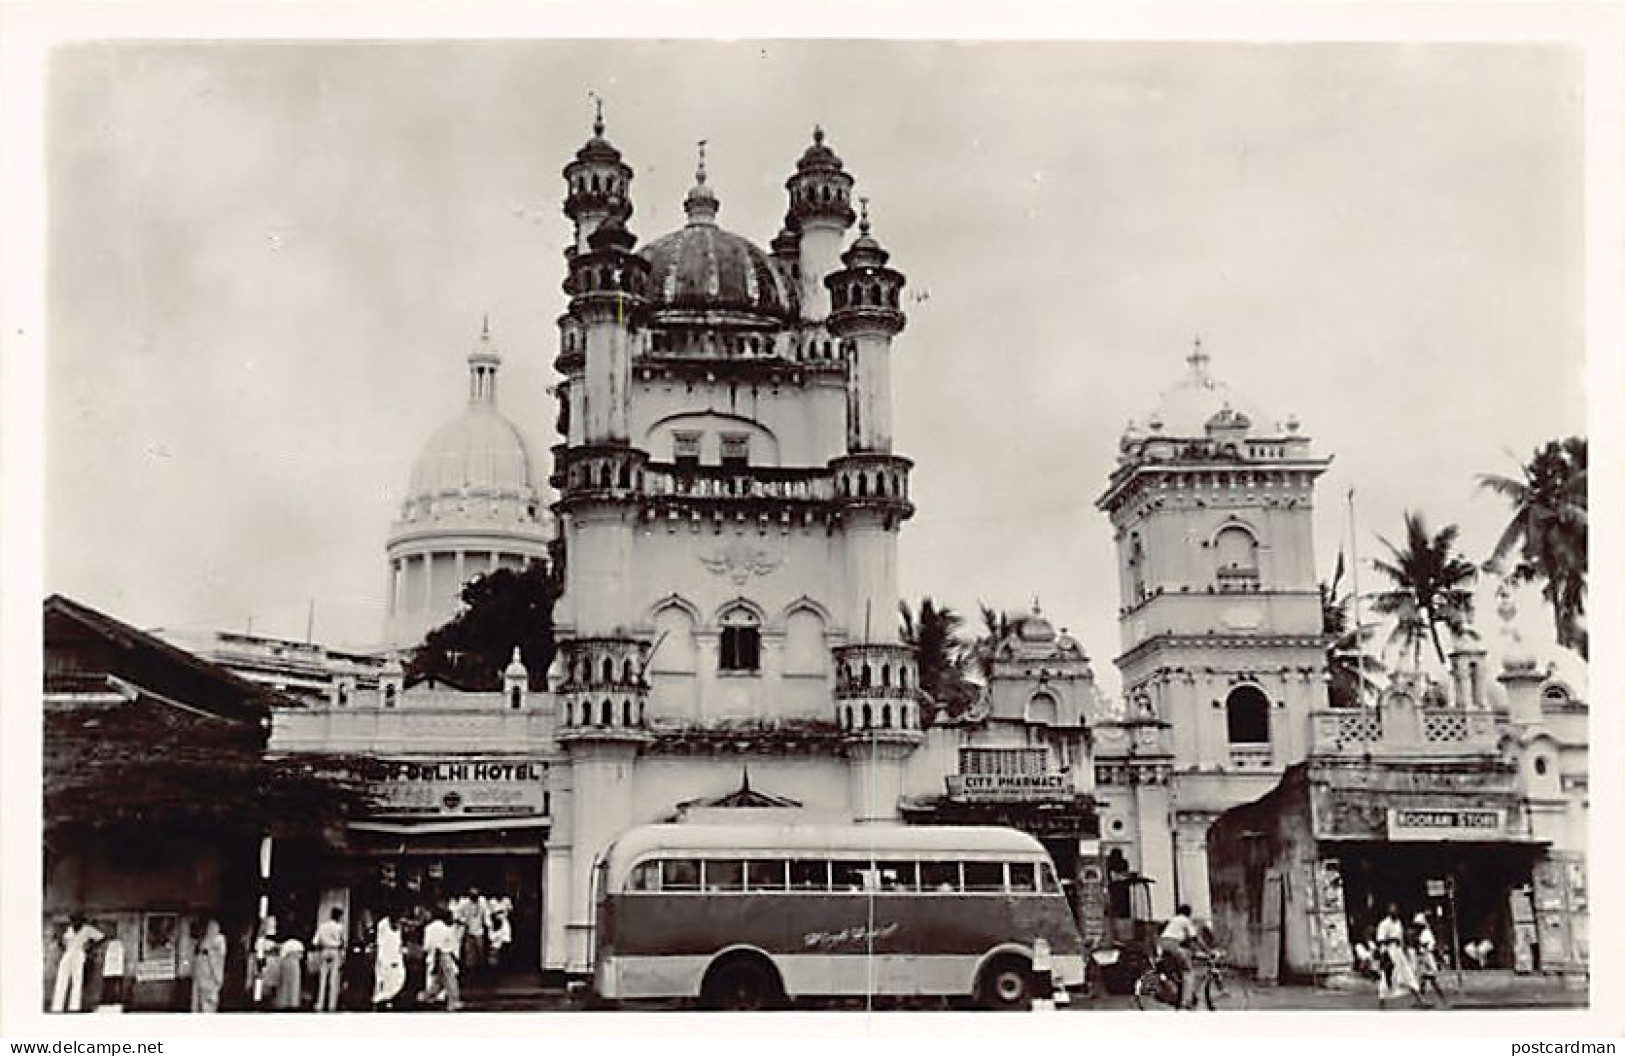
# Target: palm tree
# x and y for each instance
(1431, 585)
(995, 625)
(1354, 675)
(939, 650)
(1548, 531)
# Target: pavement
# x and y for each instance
(1529, 994)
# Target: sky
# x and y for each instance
(267, 263)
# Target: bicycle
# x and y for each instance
(1215, 988)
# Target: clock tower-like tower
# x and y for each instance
(1221, 644)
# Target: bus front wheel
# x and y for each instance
(1007, 984)
(743, 985)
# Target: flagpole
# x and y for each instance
(1359, 636)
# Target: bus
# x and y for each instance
(748, 917)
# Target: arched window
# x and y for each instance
(1042, 709)
(741, 646)
(1247, 715)
(609, 671)
(389, 696)
(885, 716)
(1236, 555)
(626, 672)
(516, 697)
(626, 712)
(606, 714)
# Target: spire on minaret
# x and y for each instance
(598, 114)
(818, 135)
(701, 204)
(863, 223)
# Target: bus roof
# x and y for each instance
(791, 838)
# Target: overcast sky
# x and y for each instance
(267, 263)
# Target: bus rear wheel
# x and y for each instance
(1007, 985)
(741, 986)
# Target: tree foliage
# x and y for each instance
(1430, 585)
(501, 610)
(1354, 675)
(934, 632)
(1548, 533)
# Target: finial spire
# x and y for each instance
(485, 327)
(699, 172)
(818, 135)
(1198, 359)
(598, 114)
(863, 223)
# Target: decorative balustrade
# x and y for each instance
(876, 688)
(1251, 756)
(604, 691)
(718, 482)
(1403, 730)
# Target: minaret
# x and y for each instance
(820, 213)
(603, 695)
(877, 678)
(599, 184)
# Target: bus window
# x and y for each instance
(724, 876)
(765, 876)
(1050, 883)
(848, 876)
(808, 875)
(897, 876)
(1023, 877)
(984, 876)
(680, 874)
(645, 877)
(939, 876)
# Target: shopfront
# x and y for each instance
(441, 828)
(1302, 874)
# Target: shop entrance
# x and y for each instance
(414, 876)
(1484, 878)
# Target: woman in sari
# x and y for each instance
(209, 969)
(389, 973)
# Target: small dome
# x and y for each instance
(1185, 410)
(480, 453)
(702, 266)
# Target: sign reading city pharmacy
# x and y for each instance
(1460, 823)
(462, 786)
(975, 787)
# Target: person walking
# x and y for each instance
(329, 946)
(389, 969)
(1397, 973)
(472, 919)
(209, 969)
(1427, 959)
(69, 993)
(436, 934)
(450, 972)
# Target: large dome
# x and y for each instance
(701, 266)
(480, 453)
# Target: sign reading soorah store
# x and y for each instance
(462, 786)
(1009, 786)
(1467, 823)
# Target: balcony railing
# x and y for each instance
(1403, 730)
(718, 482)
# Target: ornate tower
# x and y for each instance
(1220, 614)
(820, 214)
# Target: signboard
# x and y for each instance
(424, 787)
(1426, 823)
(1436, 889)
(983, 787)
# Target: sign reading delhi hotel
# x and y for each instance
(1446, 824)
(463, 786)
(1008, 786)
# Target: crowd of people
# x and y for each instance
(463, 939)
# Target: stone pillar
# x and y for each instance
(1153, 830)
(601, 803)
(1190, 842)
(875, 762)
(772, 676)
